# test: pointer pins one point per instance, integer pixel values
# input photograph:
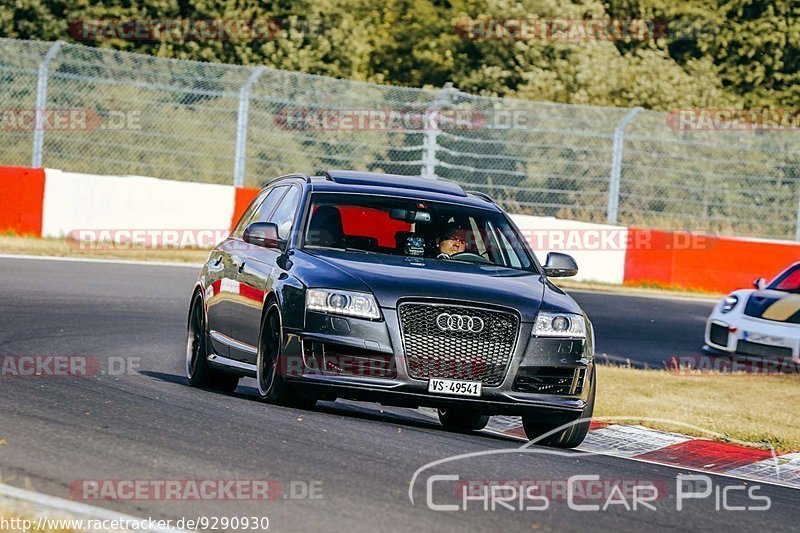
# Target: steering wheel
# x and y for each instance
(470, 257)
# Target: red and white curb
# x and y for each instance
(40, 508)
(673, 449)
(639, 443)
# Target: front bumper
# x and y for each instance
(378, 370)
(752, 336)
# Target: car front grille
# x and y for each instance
(550, 380)
(718, 334)
(755, 348)
(457, 351)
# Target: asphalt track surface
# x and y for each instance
(150, 425)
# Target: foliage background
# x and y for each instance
(728, 54)
(744, 53)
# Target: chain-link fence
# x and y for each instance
(117, 113)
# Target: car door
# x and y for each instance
(255, 275)
(222, 284)
(218, 278)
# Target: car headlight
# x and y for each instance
(357, 304)
(729, 303)
(559, 325)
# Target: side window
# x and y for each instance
(790, 281)
(284, 215)
(266, 208)
(259, 210)
(476, 237)
(512, 256)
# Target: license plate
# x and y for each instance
(763, 339)
(453, 386)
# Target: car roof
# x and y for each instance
(347, 181)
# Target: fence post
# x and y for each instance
(241, 126)
(797, 223)
(616, 165)
(430, 142)
(41, 104)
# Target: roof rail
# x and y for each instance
(482, 195)
(395, 181)
(300, 175)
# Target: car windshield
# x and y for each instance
(788, 280)
(414, 228)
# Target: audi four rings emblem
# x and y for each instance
(467, 324)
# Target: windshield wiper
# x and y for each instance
(358, 250)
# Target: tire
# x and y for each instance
(462, 420)
(272, 387)
(571, 436)
(198, 371)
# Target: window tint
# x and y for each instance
(266, 208)
(408, 227)
(788, 281)
(260, 209)
(284, 215)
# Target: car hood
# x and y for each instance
(778, 306)
(391, 278)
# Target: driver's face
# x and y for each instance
(454, 244)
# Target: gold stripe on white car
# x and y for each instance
(783, 308)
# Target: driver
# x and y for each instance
(452, 242)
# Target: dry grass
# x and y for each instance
(746, 407)
(13, 244)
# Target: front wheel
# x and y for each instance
(571, 436)
(198, 371)
(462, 420)
(272, 387)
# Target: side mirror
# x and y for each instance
(759, 283)
(264, 234)
(560, 265)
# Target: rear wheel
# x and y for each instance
(272, 387)
(199, 372)
(571, 436)
(462, 420)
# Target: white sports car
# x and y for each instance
(761, 321)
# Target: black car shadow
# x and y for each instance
(350, 410)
